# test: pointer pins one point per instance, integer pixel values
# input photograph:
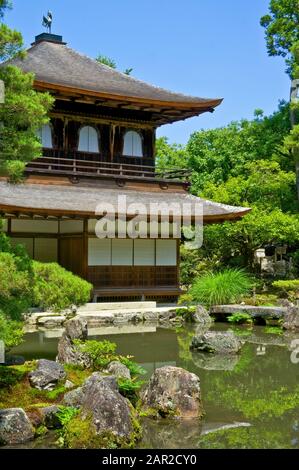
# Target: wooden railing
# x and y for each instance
(75, 167)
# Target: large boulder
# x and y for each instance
(68, 353)
(15, 427)
(108, 412)
(119, 370)
(216, 342)
(173, 391)
(291, 318)
(47, 375)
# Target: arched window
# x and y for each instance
(132, 144)
(45, 136)
(88, 140)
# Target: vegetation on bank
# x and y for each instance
(25, 283)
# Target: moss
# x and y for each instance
(40, 431)
(18, 393)
(80, 433)
(77, 374)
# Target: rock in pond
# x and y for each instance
(291, 318)
(216, 342)
(15, 427)
(47, 375)
(76, 328)
(201, 316)
(173, 391)
(105, 409)
(119, 370)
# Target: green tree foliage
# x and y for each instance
(103, 59)
(24, 110)
(170, 156)
(217, 154)
(246, 164)
(282, 29)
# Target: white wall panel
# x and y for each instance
(144, 252)
(71, 226)
(99, 252)
(34, 226)
(166, 252)
(122, 252)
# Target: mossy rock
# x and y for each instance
(80, 433)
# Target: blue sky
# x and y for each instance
(200, 47)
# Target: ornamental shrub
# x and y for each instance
(57, 289)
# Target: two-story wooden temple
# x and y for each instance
(99, 144)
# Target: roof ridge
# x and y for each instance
(119, 73)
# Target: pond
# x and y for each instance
(250, 400)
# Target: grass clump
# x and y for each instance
(225, 287)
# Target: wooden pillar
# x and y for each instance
(85, 249)
(178, 261)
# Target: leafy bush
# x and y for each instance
(66, 413)
(10, 376)
(11, 331)
(289, 289)
(239, 318)
(261, 300)
(225, 287)
(15, 170)
(133, 367)
(101, 353)
(129, 388)
(57, 289)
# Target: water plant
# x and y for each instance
(224, 287)
(240, 318)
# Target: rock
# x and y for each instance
(151, 316)
(291, 319)
(173, 391)
(51, 420)
(68, 353)
(13, 360)
(15, 427)
(51, 321)
(47, 375)
(76, 328)
(69, 384)
(201, 316)
(216, 342)
(101, 402)
(119, 370)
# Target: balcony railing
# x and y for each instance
(74, 167)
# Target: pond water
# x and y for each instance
(250, 400)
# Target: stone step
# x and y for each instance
(99, 307)
(125, 311)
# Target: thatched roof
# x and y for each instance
(58, 67)
(82, 201)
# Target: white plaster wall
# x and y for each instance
(166, 252)
(46, 250)
(99, 252)
(71, 226)
(34, 226)
(144, 252)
